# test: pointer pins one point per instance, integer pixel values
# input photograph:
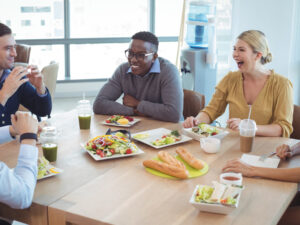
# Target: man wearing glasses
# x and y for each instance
(150, 84)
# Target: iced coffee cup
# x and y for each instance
(247, 133)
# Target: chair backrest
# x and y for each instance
(23, 53)
(193, 102)
(296, 123)
(50, 73)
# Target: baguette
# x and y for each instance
(189, 158)
(166, 168)
(169, 159)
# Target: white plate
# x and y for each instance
(157, 134)
(52, 174)
(190, 133)
(253, 160)
(98, 158)
(213, 208)
(120, 125)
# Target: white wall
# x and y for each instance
(280, 21)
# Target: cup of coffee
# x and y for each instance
(247, 133)
(210, 144)
(48, 138)
(84, 114)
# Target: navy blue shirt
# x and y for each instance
(26, 95)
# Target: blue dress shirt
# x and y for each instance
(17, 186)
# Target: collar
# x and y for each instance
(155, 68)
(5, 73)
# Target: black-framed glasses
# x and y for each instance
(139, 56)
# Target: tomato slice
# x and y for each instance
(128, 151)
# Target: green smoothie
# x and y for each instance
(84, 121)
(50, 151)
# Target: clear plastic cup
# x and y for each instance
(84, 114)
(247, 129)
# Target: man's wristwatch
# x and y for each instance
(28, 136)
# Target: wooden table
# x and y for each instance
(120, 191)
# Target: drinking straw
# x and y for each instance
(250, 107)
(249, 112)
(83, 95)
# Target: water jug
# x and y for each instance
(199, 17)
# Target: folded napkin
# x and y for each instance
(253, 160)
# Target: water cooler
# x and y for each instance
(198, 61)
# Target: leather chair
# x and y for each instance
(193, 102)
(296, 123)
(23, 53)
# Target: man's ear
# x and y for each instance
(155, 55)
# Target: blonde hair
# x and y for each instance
(258, 42)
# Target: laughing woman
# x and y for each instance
(269, 94)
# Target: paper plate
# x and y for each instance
(192, 172)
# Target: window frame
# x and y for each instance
(67, 40)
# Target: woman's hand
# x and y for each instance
(233, 123)
(284, 152)
(190, 122)
(238, 166)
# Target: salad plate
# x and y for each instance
(45, 169)
(160, 138)
(205, 130)
(120, 121)
(111, 147)
(219, 198)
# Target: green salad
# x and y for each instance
(167, 139)
(206, 130)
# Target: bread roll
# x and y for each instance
(189, 158)
(169, 159)
(166, 168)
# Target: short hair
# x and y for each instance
(4, 30)
(148, 37)
(258, 42)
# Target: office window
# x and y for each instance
(88, 37)
(25, 23)
(26, 16)
(43, 55)
(114, 18)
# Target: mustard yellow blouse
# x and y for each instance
(273, 105)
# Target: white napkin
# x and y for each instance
(253, 161)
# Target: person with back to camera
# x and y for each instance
(150, 84)
(292, 215)
(269, 94)
(18, 86)
(17, 186)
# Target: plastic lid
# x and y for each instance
(84, 101)
(247, 124)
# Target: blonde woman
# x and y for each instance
(269, 94)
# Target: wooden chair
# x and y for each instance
(23, 53)
(296, 123)
(193, 102)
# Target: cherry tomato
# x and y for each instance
(94, 146)
(101, 154)
(112, 151)
(107, 121)
(98, 151)
(128, 151)
(214, 133)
